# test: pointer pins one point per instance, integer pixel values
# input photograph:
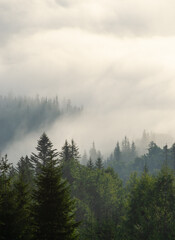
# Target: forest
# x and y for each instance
(22, 115)
(51, 195)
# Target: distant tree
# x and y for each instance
(173, 157)
(165, 149)
(84, 159)
(133, 151)
(66, 152)
(153, 149)
(90, 164)
(93, 152)
(99, 163)
(74, 150)
(117, 152)
(25, 170)
(126, 145)
(126, 150)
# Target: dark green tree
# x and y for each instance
(25, 170)
(7, 203)
(66, 152)
(99, 163)
(90, 164)
(151, 208)
(23, 221)
(53, 208)
(74, 150)
(45, 152)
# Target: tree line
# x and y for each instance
(125, 158)
(22, 115)
(51, 195)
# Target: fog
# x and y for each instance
(116, 58)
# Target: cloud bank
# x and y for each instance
(114, 57)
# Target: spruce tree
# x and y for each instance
(53, 208)
(45, 152)
(74, 150)
(66, 152)
(7, 204)
(99, 163)
(90, 164)
(23, 219)
(25, 170)
(117, 152)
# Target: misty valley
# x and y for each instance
(61, 194)
(87, 120)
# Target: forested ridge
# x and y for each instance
(125, 158)
(22, 115)
(51, 195)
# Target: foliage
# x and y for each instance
(47, 195)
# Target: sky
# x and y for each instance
(115, 57)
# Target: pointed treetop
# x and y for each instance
(99, 163)
(45, 153)
(90, 164)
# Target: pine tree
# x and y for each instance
(93, 152)
(133, 151)
(66, 152)
(165, 149)
(25, 170)
(74, 150)
(23, 220)
(99, 163)
(45, 152)
(90, 164)
(117, 152)
(84, 158)
(7, 204)
(53, 207)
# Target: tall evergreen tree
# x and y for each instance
(84, 158)
(25, 170)
(45, 152)
(165, 149)
(133, 151)
(66, 152)
(53, 208)
(7, 203)
(23, 219)
(74, 150)
(117, 152)
(90, 164)
(99, 163)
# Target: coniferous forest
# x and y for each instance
(22, 115)
(100, 166)
(51, 195)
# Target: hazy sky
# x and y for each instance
(115, 57)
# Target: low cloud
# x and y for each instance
(114, 57)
